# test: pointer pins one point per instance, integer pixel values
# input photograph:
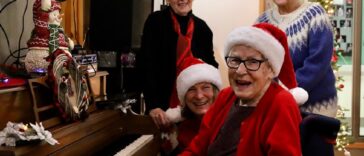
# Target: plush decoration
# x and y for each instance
(49, 51)
(69, 85)
(47, 19)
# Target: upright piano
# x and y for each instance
(100, 130)
(104, 128)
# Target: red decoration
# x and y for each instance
(341, 86)
(334, 57)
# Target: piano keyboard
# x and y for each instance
(133, 147)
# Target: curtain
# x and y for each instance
(73, 20)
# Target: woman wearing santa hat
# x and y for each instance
(198, 85)
(169, 36)
(310, 39)
(255, 115)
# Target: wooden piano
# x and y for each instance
(101, 129)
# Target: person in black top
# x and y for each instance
(168, 37)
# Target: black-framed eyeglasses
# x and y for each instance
(250, 64)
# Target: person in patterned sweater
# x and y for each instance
(310, 40)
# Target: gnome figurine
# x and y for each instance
(46, 36)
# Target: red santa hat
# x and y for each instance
(41, 8)
(191, 72)
(271, 42)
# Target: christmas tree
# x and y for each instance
(342, 137)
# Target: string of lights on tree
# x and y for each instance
(327, 4)
(342, 137)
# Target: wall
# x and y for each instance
(223, 16)
(11, 20)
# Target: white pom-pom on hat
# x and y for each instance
(299, 94)
(174, 114)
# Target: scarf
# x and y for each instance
(183, 51)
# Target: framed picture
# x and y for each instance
(334, 23)
(338, 2)
(348, 23)
(339, 11)
(349, 12)
(349, 2)
(343, 38)
(349, 48)
(342, 23)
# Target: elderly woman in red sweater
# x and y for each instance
(255, 115)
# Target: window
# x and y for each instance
(347, 24)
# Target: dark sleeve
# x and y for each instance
(151, 64)
(318, 134)
(202, 43)
(145, 64)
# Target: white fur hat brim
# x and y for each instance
(260, 40)
(195, 74)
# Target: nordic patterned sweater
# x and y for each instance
(310, 41)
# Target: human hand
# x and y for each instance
(160, 118)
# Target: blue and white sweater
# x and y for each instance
(310, 41)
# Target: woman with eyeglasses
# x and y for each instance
(310, 39)
(255, 115)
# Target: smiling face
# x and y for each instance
(181, 7)
(200, 97)
(249, 85)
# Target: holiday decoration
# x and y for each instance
(342, 137)
(47, 35)
(9, 77)
(16, 132)
(327, 5)
(337, 53)
(3, 78)
(49, 53)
